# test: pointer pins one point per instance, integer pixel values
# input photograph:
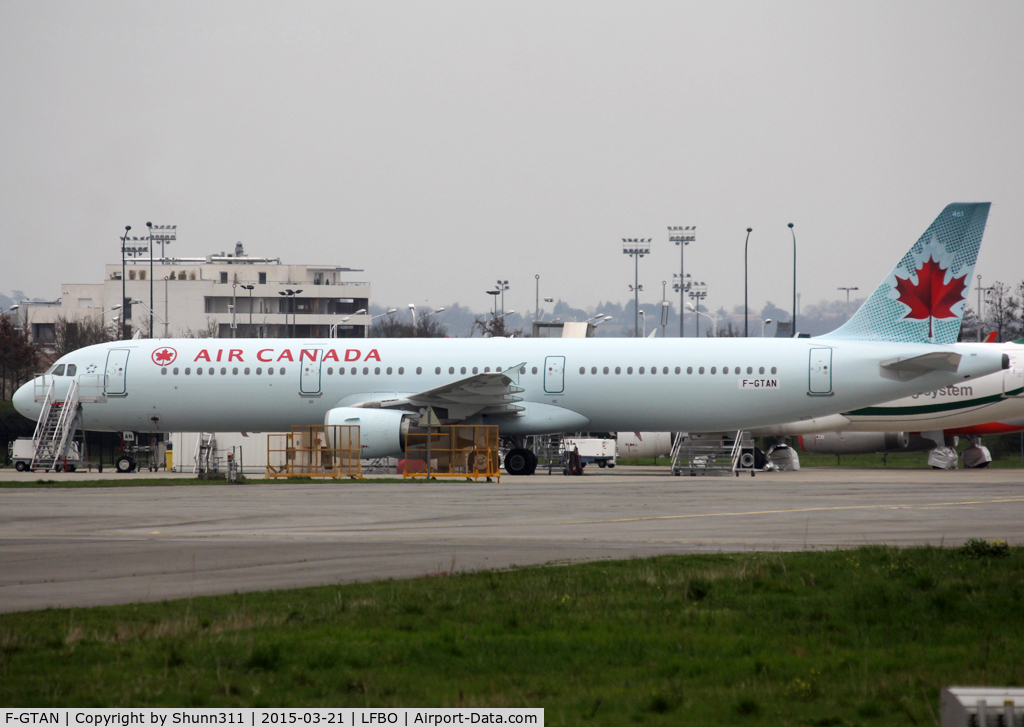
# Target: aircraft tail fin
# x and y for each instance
(922, 300)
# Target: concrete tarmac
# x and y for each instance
(93, 546)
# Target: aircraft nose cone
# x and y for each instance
(24, 401)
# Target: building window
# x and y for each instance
(223, 277)
(263, 278)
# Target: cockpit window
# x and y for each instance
(58, 370)
(72, 369)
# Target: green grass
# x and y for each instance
(857, 637)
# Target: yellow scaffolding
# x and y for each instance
(458, 450)
(318, 450)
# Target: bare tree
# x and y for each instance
(391, 327)
(70, 335)
(1002, 310)
(494, 327)
(209, 332)
(18, 357)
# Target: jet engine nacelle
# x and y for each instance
(644, 444)
(381, 431)
(856, 442)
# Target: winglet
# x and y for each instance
(923, 298)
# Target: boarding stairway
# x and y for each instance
(58, 423)
(712, 454)
(205, 455)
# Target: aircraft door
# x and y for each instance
(1013, 377)
(554, 374)
(115, 382)
(309, 371)
(820, 382)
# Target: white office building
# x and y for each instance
(224, 295)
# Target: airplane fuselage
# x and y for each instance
(567, 384)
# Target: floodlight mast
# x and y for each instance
(682, 236)
(636, 248)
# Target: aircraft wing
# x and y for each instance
(489, 393)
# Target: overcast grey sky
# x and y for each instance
(443, 145)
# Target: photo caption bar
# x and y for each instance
(127, 717)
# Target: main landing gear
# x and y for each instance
(520, 461)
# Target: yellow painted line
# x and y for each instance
(796, 510)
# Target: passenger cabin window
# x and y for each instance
(774, 370)
(761, 370)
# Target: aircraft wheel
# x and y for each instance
(533, 462)
(517, 462)
(124, 464)
(20, 466)
(58, 468)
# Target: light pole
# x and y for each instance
(765, 322)
(124, 294)
(714, 321)
(495, 306)
(681, 286)
(981, 318)
(151, 314)
(165, 234)
(636, 248)
(682, 236)
(150, 226)
(697, 292)
(794, 276)
(536, 305)
(424, 317)
(166, 278)
(249, 288)
(502, 286)
(388, 312)
(848, 299)
(664, 309)
(289, 293)
(643, 321)
(745, 315)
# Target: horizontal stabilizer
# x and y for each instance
(906, 369)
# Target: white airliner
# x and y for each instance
(898, 344)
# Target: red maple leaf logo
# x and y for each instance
(164, 356)
(930, 297)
